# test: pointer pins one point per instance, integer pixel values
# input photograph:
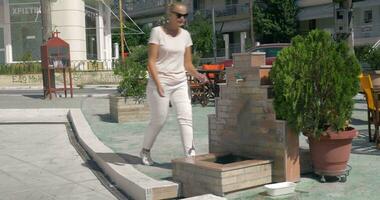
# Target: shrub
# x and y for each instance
(133, 72)
(314, 81)
(20, 68)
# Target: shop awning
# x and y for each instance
(316, 12)
(233, 26)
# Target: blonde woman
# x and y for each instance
(169, 58)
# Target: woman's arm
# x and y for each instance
(190, 67)
(152, 57)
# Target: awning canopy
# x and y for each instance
(316, 12)
(367, 3)
(233, 26)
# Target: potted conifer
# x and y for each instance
(130, 104)
(315, 80)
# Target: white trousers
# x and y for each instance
(159, 106)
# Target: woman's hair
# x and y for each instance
(171, 6)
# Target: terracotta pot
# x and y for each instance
(331, 153)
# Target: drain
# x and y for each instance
(93, 166)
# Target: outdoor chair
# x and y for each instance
(373, 116)
(198, 91)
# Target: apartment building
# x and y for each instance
(150, 12)
(321, 14)
(232, 17)
(85, 25)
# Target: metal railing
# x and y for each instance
(228, 10)
(365, 31)
(145, 4)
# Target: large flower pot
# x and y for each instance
(331, 153)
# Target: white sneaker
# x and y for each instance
(191, 152)
(145, 158)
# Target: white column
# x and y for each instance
(226, 38)
(100, 33)
(68, 17)
(243, 36)
(107, 37)
(7, 34)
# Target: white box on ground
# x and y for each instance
(280, 188)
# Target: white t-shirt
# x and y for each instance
(171, 54)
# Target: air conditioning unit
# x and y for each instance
(342, 21)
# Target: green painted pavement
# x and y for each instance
(125, 139)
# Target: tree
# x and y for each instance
(275, 20)
(132, 35)
(201, 33)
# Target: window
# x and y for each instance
(312, 24)
(26, 34)
(198, 4)
(368, 16)
(231, 2)
(2, 12)
(91, 42)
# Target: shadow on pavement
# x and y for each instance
(163, 165)
(357, 122)
(34, 96)
(361, 144)
(130, 159)
(360, 109)
(92, 165)
(312, 175)
(360, 101)
(135, 160)
(106, 118)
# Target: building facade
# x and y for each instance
(85, 25)
(232, 17)
(322, 14)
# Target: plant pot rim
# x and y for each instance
(338, 135)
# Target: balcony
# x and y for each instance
(228, 11)
(143, 8)
(308, 3)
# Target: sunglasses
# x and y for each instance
(179, 15)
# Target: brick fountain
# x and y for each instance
(248, 146)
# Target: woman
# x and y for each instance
(169, 57)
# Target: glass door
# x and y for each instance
(2, 49)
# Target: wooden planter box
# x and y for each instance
(128, 109)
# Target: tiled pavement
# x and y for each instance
(126, 138)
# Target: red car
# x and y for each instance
(271, 51)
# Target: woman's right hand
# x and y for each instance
(160, 91)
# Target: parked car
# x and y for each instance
(271, 51)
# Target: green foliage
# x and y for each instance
(133, 72)
(201, 33)
(275, 20)
(196, 59)
(314, 81)
(132, 35)
(20, 68)
(366, 54)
